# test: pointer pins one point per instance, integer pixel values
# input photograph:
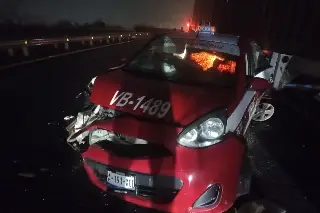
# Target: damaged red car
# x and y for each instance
(166, 129)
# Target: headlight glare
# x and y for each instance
(211, 128)
(189, 137)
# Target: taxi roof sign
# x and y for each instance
(206, 29)
(208, 35)
(205, 32)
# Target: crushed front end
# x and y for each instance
(155, 175)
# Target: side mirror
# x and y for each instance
(259, 84)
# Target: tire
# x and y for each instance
(265, 110)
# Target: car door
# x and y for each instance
(261, 75)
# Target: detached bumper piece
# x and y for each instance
(160, 189)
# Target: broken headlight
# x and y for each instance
(100, 135)
(85, 119)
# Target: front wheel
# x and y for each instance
(264, 111)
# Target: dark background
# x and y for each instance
(283, 26)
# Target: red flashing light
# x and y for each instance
(266, 52)
(230, 67)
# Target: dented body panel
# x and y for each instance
(119, 89)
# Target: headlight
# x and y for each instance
(203, 133)
(212, 128)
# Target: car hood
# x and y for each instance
(129, 93)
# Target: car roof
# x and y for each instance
(213, 42)
(221, 38)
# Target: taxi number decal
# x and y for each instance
(153, 107)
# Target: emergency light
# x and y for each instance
(205, 32)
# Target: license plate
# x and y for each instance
(121, 181)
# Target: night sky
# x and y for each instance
(160, 13)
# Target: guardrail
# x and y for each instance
(23, 45)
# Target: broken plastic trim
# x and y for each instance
(91, 83)
(76, 128)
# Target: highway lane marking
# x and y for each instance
(58, 55)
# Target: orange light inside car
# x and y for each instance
(230, 67)
(205, 60)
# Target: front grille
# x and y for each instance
(135, 150)
(160, 189)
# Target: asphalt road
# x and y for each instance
(34, 98)
(40, 172)
(285, 152)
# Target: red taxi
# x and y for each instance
(166, 129)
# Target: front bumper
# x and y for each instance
(178, 180)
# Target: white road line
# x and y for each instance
(56, 56)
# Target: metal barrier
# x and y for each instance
(23, 45)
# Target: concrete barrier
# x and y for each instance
(20, 50)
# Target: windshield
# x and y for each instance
(183, 61)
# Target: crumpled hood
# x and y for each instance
(157, 99)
